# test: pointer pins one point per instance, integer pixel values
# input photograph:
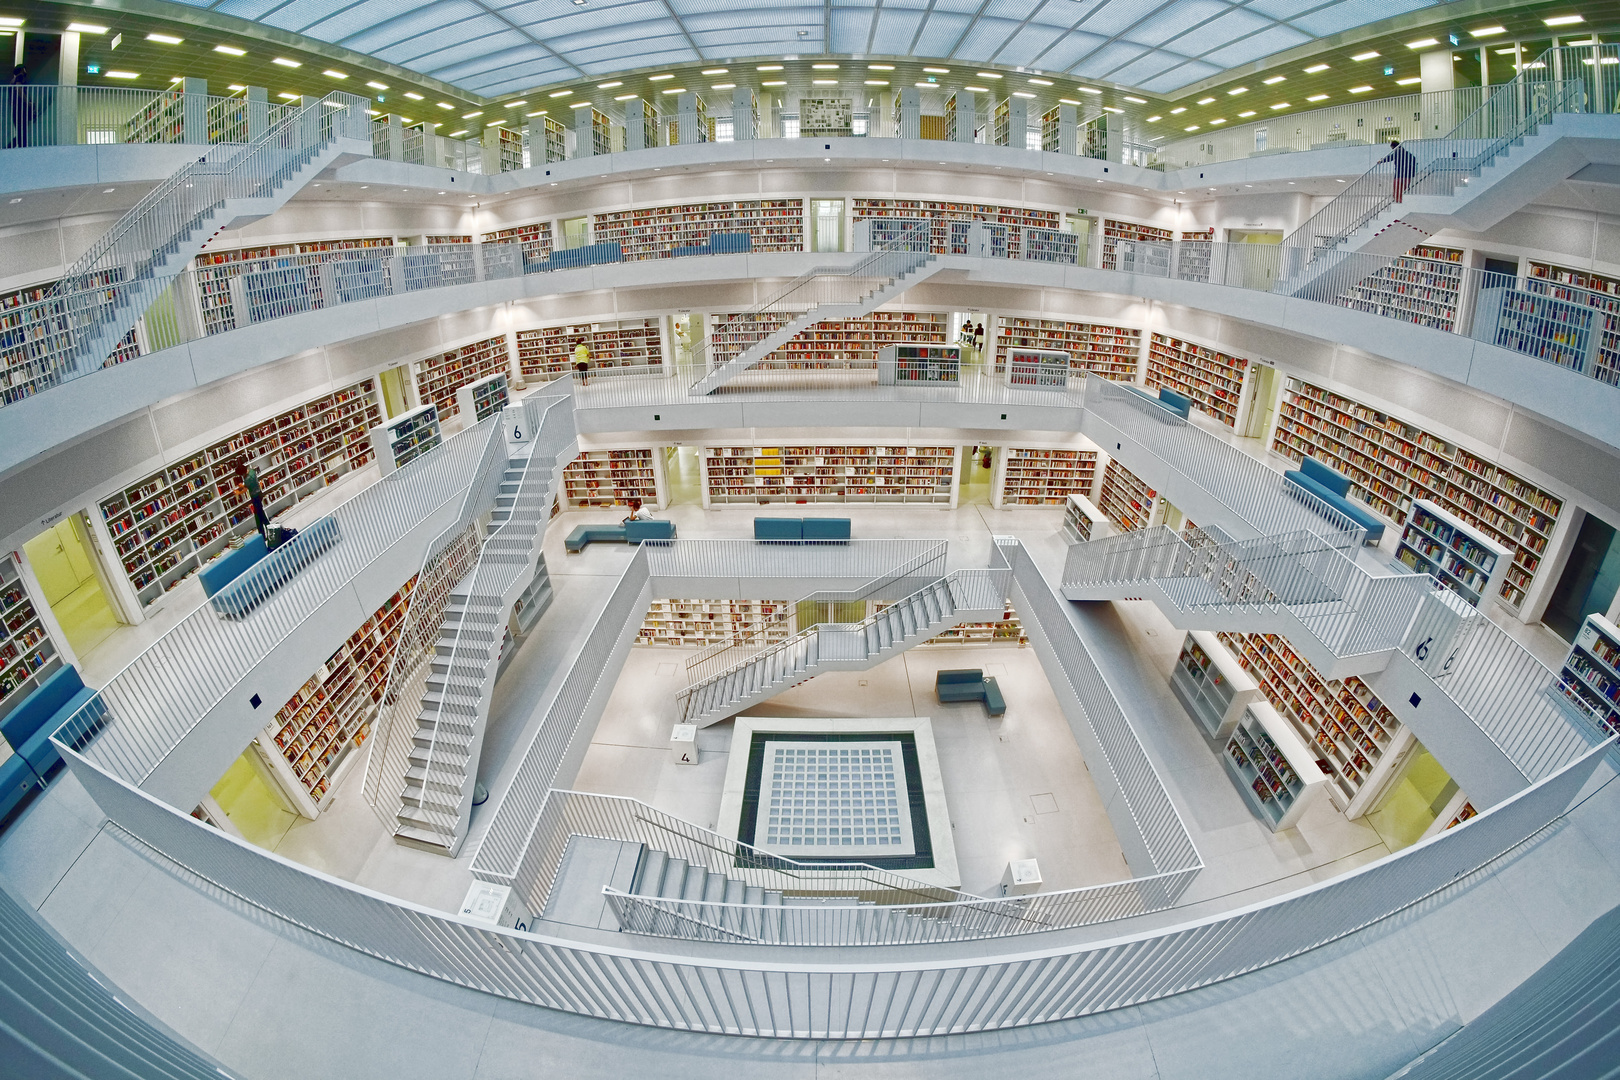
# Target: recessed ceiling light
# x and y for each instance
(1488, 31)
(1040, 82)
(493, 123)
(123, 74)
(1275, 79)
(230, 50)
(469, 116)
(1206, 101)
(559, 93)
(824, 67)
(1222, 120)
(287, 96)
(1413, 81)
(823, 82)
(659, 78)
(769, 67)
(716, 71)
(877, 82)
(1190, 127)
(1314, 68)
(1317, 97)
(1022, 94)
(236, 87)
(446, 105)
(83, 27)
(733, 86)
(674, 90)
(413, 97)
(515, 104)
(1068, 101)
(540, 112)
(1422, 43)
(580, 105)
(977, 89)
(937, 71)
(1365, 55)
(625, 97)
(609, 85)
(987, 75)
(284, 62)
(1151, 119)
(879, 67)
(1280, 105)
(1359, 89)
(1110, 108)
(777, 82)
(164, 39)
(1236, 90)
(1249, 112)
(1135, 100)
(1563, 20)
(377, 85)
(1178, 110)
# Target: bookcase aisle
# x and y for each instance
(1213, 380)
(167, 525)
(833, 474)
(1392, 462)
(1110, 351)
(549, 350)
(439, 377)
(330, 715)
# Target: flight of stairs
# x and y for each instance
(954, 599)
(769, 343)
(443, 765)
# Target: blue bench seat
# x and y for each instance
(795, 530)
(1333, 488)
(255, 583)
(627, 532)
(28, 727)
(970, 684)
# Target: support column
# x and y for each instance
(910, 126)
(194, 111)
(67, 91)
(258, 111)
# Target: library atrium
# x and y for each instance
(610, 537)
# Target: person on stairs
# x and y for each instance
(1405, 166)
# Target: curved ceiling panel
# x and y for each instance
(1157, 45)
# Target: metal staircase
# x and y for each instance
(450, 686)
(113, 283)
(1508, 133)
(822, 294)
(962, 596)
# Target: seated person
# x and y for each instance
(637, 513)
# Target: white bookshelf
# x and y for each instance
(406, 437)
(438, 377)
(1042, 476)
(1463, 558)
(480, 400)
(28, 656)
(1212, 684)
(650, 232)
(950, 221)
(1082, 521)
(1420, 287)
(1272, 767)
(690, 623)
(1110, 351)
(548, 351)
(614, 477)
(1213, 380)
(1591, 671)
(1126, 500)
(1129, 246)
(830, 473)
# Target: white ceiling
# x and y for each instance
(493, 47)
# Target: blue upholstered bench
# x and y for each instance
(970, 684)
(1333, 488)
(628, 532)
(589, 255)
(734, 243)
(28, 728)
(1179, 404)
(794, 530)
(254, 585)
(232, 564)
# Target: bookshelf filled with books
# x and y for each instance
(1348, 728)
(535, 238)
(1082, 521)
(1420, 287)
(438, 377)
(406, 437)
(1588, 342)
(28, 656)
(1391, 463)
(1213, 380)
(1272, 767)
(215, 270)
(1121, 250)
(1036, 476)
(1463, 559)
(330, 715)
(31, 346)
(166, 526)
(830, 474)
(650, 232)
(549, 351)
(613, 478)
(712, 622)
(1591, 672)
(1110, 351)
(837, 343)
(482, 399)
(950, 220)
(1126, 500)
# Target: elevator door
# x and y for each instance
(1589, 581)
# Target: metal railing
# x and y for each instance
(763, 992)
(144, 711)
(45, 115)
(924, 567)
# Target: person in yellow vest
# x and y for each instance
(582, 360)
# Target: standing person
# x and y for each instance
(250, 480)
(582, 360)
(978, 338)
(1405, 166)
(20, 113)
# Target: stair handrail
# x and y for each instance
(489, 580)
(628, 819)
(1511, 112)
(703, 663)
(886, 262)
(113, 267)
(955, 580)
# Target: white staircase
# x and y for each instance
(102, 295)
(436, 803)
(962, 596)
